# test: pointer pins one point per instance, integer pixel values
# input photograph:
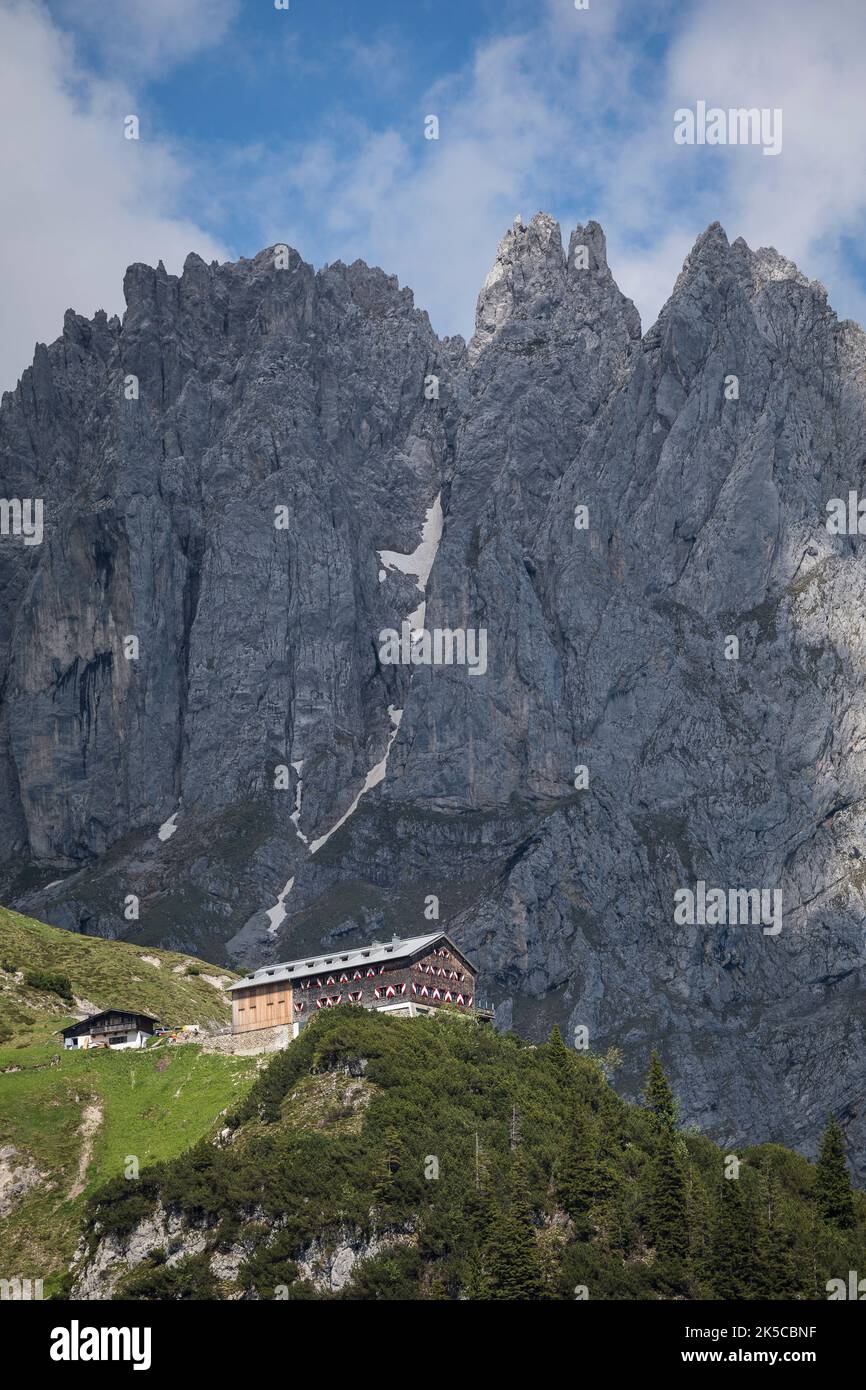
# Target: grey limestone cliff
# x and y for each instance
(303, 465)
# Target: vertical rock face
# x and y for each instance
(227, 519)
(637, 527)
(552, 342)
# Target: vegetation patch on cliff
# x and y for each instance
(387, 1158)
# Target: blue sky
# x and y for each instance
(307, 126)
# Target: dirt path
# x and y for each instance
(91, 1119)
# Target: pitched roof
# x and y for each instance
(375, 954)
(105, 1013)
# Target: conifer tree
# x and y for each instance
(658, 1096)
(608, 1175)
(576, 1174)
(700, 1219)
(550, 1249)
(520, 1185)
(560, 1057)
(511, 1256)
(832, 1182)
(478, 1212)
(388, 1168)
(668, 1206)
(476, 1284)
(734, 1263)
(775, 1264)
(511, 1259)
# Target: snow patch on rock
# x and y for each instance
(276, 915)
(373, 778)
(420, 562)
(295, 817)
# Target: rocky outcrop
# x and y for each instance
(19, 1174)
(327, 1263)
(674, 647)
(98, 1271)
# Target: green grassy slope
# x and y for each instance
(107, 974)
(67, 1128)
(486, 1168)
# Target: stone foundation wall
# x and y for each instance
(251, 1042)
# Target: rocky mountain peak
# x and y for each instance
(533, 282)
(715, 263)
(526, 278)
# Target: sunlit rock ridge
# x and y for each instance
(262, 467)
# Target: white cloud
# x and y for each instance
(553, 119)
(647, 274)
(149, 36)
(80, 201)
(382, 58)
(575, 113)
(810, 61)
(430, 211)
(656, 197)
